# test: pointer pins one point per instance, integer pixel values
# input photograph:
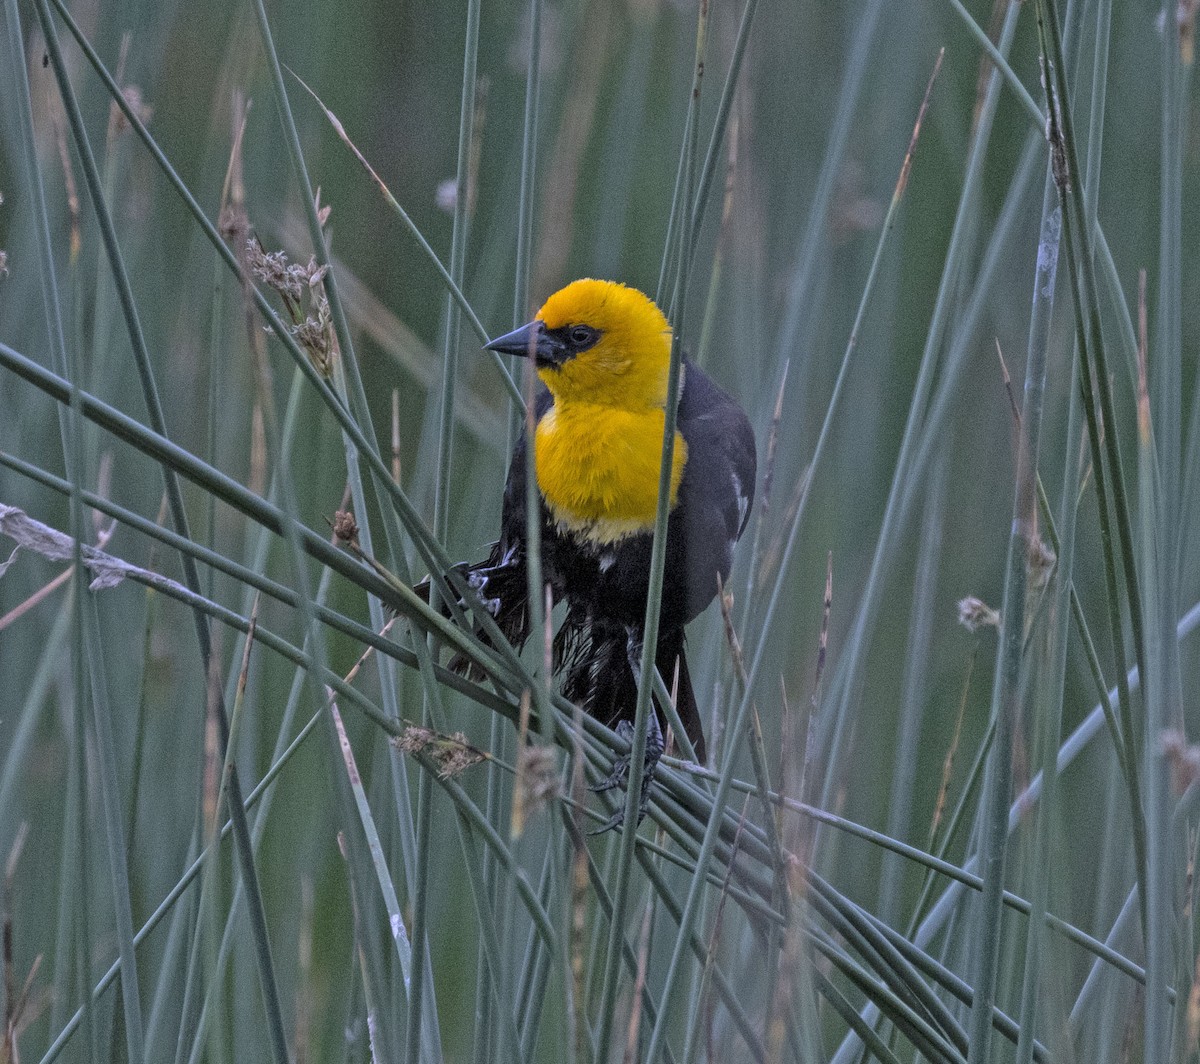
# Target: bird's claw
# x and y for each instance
(619, 776)
(620, 769)
(614, 821)
(478, 580)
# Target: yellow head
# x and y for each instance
(598, 342)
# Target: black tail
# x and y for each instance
(594, 657)
(591, 654)
(684, 693)
(670, 651)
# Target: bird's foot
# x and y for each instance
(479, 578)
(619, 776)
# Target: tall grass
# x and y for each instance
(247, 812)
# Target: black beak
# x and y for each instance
(532, 341)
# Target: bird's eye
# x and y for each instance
(582, 334)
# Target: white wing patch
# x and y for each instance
(743, 500)
(607, 561)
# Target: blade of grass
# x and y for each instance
(720, 123)
(915, 689)
(252, 580)
(1164, 710)
(115, 833)
(228, 490)
(268, 982)
(71, 436)
(1011, 676)
(346, 379)
(375, 847)
(1092, 724)
(649, 633)
(1065, 594)
(1050, 678)
(598, 737)
(844, 686)
(432, 554)
(521, 271)
(451, 286)
(1101, 418)
(1000, 62)
(864, 27)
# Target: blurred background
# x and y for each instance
(806, 165)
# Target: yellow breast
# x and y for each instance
(597, 467)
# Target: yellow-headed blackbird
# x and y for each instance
(602, 352)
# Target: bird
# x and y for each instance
(602, 354)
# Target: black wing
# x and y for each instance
(717, 490)
(719, 436)
(500, 580)
(512, 521)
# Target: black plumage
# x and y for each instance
(604, 585)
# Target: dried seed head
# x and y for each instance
(414, 739)
(315, 335)
(1039, 562)
(452, 754)
(272, 269)
(1183, 758)
(314, 273)
(323, 213)
(345, 528)
(538, 771)
(234, 226)
(133, 97)
(974, 613)
(455, 755)
(446, 197)
(302, 289)
(1185, 21)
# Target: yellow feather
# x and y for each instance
(598, 448)
(628, 367)
(597, 467)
